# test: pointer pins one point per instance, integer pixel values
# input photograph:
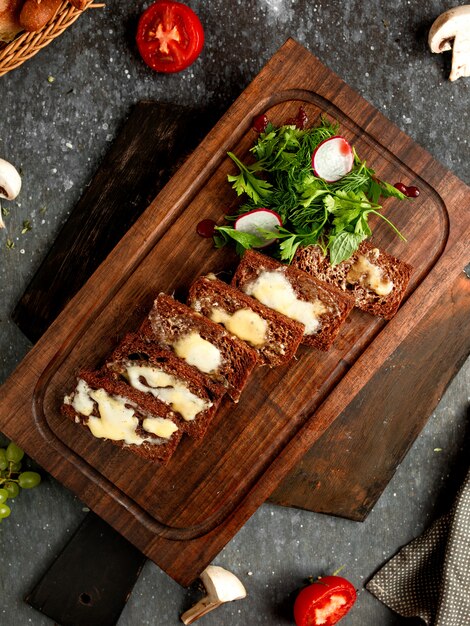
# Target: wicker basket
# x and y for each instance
(26, 45)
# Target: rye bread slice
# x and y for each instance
(155, 448)
(332, 306)
(279, 336)
(170, 323)
(133, 351)
(314, 262)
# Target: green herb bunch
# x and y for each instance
(313, 211)
(12, 479)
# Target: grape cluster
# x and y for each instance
(12, 478)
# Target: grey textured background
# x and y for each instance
(57, 132)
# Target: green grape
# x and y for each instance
(28, 480)
(4, 511)
(14, 453)
(12, 489)
(3, 495)
(3, 459)
(15, 467)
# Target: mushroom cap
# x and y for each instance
(446, 26)
(10, 180)
(221, 584)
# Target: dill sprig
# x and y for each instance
(313, 211)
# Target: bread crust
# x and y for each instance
(135, 350)
(283, 334)
(307, 289)
(170, 320)
(162, 450)
(312, 260)
(10, 19)
(36, 13)
(79, 4)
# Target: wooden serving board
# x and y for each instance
(182, 515)
(331, 477)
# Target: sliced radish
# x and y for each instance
(333, 158)
(259, 220)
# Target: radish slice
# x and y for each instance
(333, 158)
(259, 219)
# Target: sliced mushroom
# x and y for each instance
(451, 31)
(10, 183)
(221, 586)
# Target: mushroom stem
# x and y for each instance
(460, 56)
(200, 609)
(221, 586)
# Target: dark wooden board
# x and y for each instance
(89, 582)
(181, 516)
(149, 149)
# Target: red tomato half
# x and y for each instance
(325, 602)
(169, 36)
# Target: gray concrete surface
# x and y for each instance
(57, 132)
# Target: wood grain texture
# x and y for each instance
(317, 483)
(151, 146)
(181, 516)
(346, 470)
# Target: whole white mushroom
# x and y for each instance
(10, 183)
(221, 586)
(451, 31)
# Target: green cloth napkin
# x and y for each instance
(430, 577)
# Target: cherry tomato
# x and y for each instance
(169, 36)
(324, 602)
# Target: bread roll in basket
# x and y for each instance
(26, 26)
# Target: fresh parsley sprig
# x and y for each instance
(313, 211)
(246, 181)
